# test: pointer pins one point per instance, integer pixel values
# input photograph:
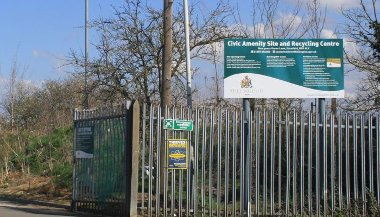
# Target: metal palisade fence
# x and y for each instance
(298, 163)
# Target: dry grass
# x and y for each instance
(32, 187)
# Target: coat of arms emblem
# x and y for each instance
(246, 82)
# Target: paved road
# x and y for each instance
(22, 209)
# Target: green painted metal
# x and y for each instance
(99, 182)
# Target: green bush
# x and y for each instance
(44, 152)
(62, 175)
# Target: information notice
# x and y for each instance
(84, 142)
(283, 68)
(177, 151)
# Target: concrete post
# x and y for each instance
(132, 152)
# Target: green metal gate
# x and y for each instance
(102, 160)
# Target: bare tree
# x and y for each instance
(130, 50)
(362, 29)
(215, 86)
(272, 21)
(142, 53)
(317, 18)
(269, 20)
(12, 87)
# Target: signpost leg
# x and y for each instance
(246, 160)
(321, 107)
(322, 112)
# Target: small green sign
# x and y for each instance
(168, 124)
(183, 125)
(172, 124)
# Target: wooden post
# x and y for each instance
(166, 91)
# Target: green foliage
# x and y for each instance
(45, 152)
(372, 204)
(62, 175)
(45, 155)
(51, 155)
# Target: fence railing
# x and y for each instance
(299, 163)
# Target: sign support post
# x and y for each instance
(322, 148)
(321, 107)
(247, 157)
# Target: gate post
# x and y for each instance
(132, 152)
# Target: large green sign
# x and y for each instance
(283, 68)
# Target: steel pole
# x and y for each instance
(85, 102)
(188, 76)
(246, 166)
(322, 112)
(187, 42)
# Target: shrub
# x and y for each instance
(62, 175)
